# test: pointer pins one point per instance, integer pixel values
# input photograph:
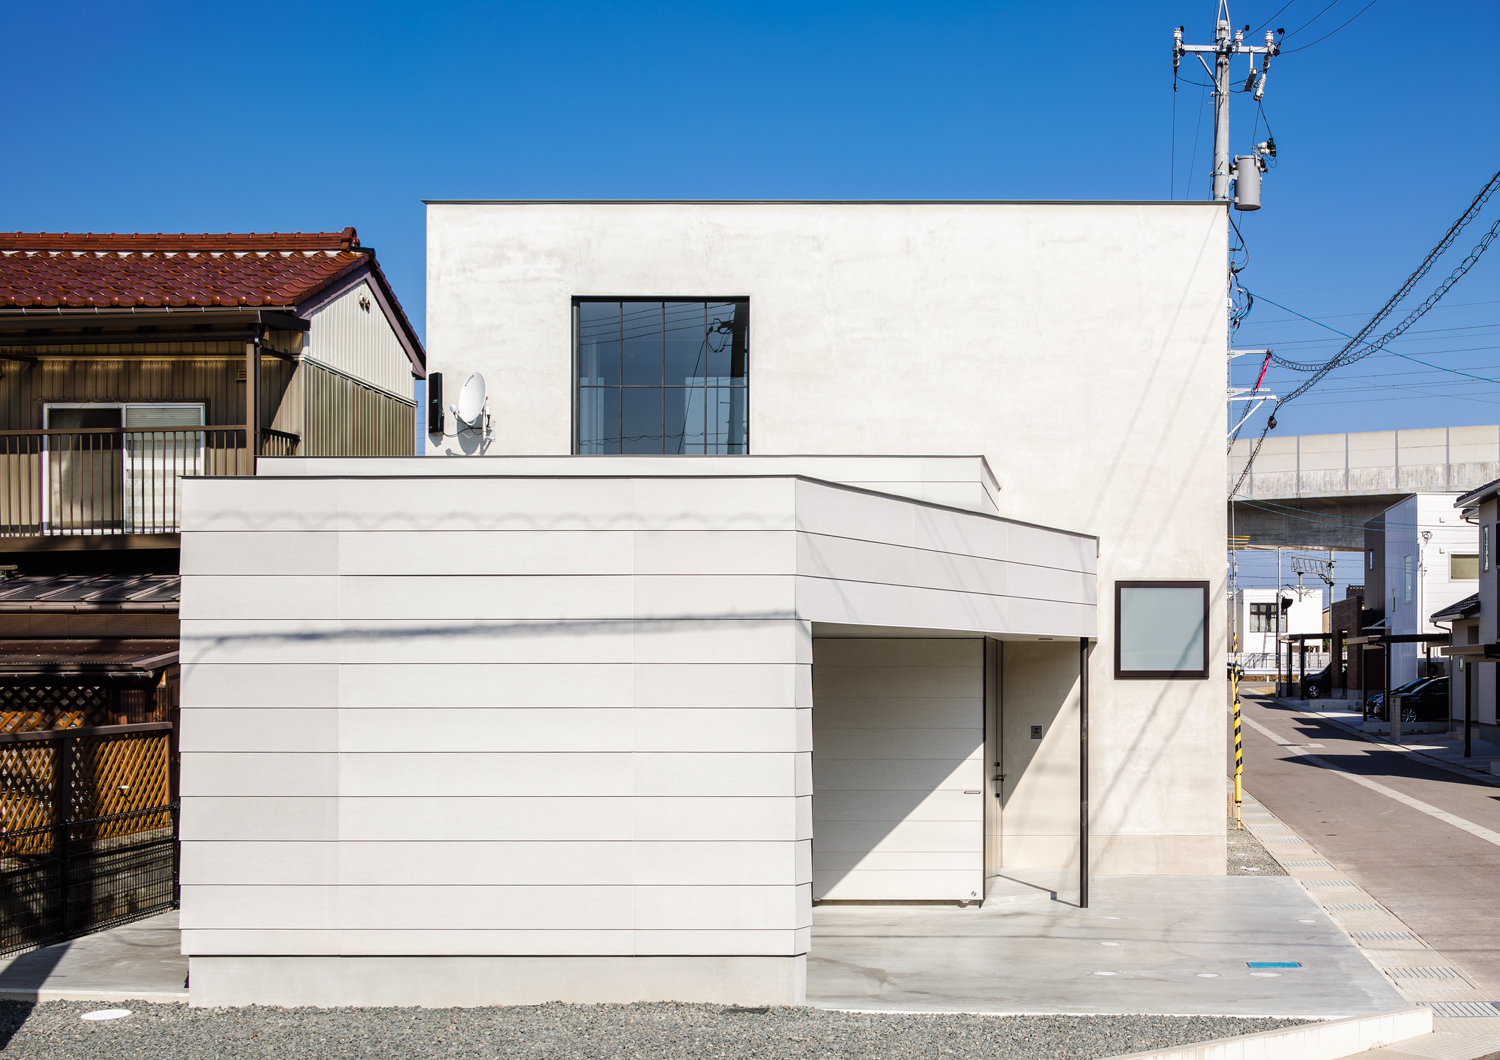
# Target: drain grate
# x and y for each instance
(1424, 973)
(1280, 839)
(1328, 883)
(1355, 907)
(1464, 1008)
(1307, 864)
(1383, 936)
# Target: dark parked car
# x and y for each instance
(1375, 705)
(1318, 685)
(1425, 699)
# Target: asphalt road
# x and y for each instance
(1443, 881)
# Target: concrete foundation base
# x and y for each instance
(465, 982)
(1118, 855)
(1414, 728)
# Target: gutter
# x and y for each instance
(43, 607)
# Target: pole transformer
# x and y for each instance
(1227, 44)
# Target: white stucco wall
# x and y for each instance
(1078, 347)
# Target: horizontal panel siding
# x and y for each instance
(898, 769)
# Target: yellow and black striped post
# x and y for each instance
(1239, 750)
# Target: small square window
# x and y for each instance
(1463, 568)
(1265, 618)
(1161, 630)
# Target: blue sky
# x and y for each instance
(161, 116)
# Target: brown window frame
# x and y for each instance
(1164, 675)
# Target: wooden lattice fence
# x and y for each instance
(87, 810)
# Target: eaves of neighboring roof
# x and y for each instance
(115, 658)
(91, 594)
(1468, 607)
(1478, 496)
(59, 273)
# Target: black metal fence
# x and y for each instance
(111, 480)
(77, 882)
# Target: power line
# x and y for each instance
(1349, 355)
(1330, 33)
(1289, 364)
(1310, 21)
(1344, 356)
(1279, 10)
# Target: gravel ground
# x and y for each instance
(1247, 857)
(583, 1032)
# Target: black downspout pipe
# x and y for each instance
(1083, 772)
(1468, 703)
(1392, 716)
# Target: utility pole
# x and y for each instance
(1227, 44)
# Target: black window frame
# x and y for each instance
(1163, 675)
(578, 300)
(1270, 609)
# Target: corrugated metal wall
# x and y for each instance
(344, 417)
(334, 414)
(214, 377)
(360, 342)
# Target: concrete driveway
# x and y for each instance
(1148, 944)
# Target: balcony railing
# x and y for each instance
(113, 480)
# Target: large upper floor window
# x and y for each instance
(662, 377)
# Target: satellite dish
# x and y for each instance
(470, 409)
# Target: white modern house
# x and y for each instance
(1475, 689)
(822, 552)
(1430, 560)
(1261, 615)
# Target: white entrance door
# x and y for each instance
(898, 770)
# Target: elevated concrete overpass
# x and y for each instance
(1316, 491)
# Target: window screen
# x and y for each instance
(1463, 568)
(1161, 630)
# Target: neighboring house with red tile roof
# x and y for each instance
(127, 360)
(126, 363)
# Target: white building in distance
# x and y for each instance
(1428, 557)
(806, 532)
(1260, 615)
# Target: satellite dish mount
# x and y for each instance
(472, 412)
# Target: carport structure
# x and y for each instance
(526, 729)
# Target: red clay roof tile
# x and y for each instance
(172, 242)
(251, 269)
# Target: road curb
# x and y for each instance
(84, 994)
(1329, 1040)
